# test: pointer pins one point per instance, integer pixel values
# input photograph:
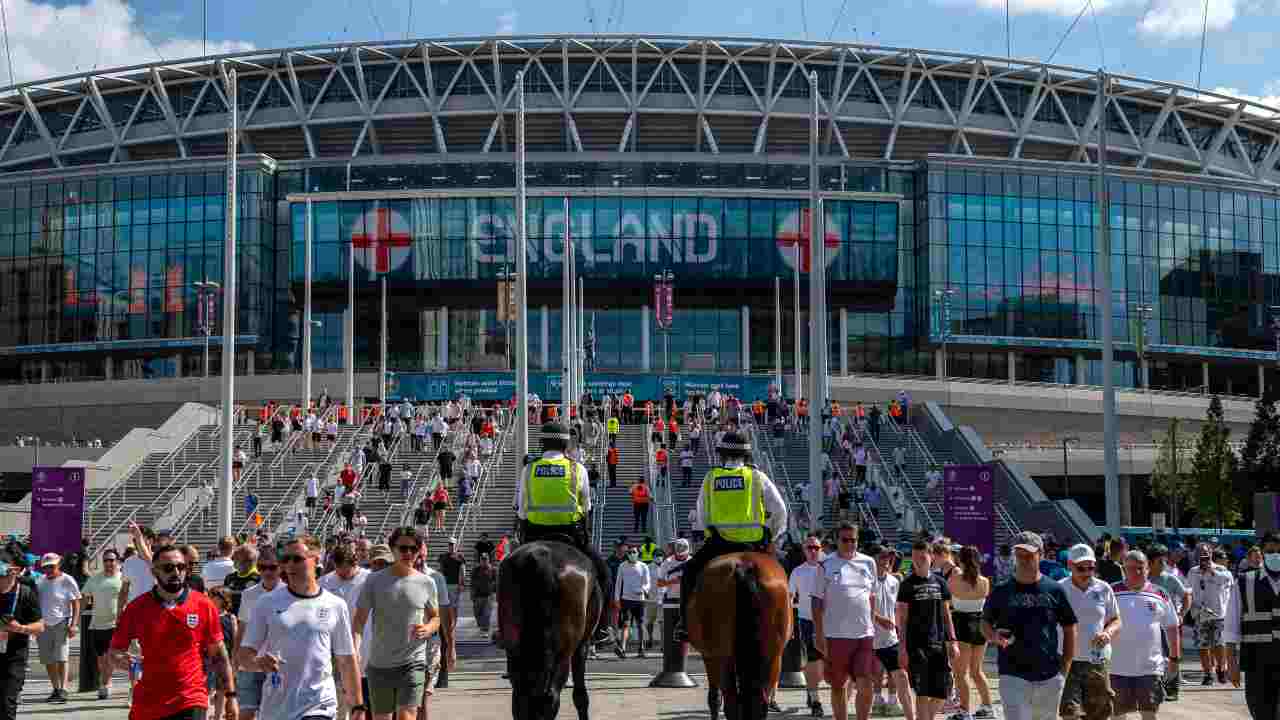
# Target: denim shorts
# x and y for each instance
(249, 689)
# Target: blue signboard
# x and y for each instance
(138, 344)
(487, 386)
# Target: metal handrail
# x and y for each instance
(286, 497)
(1002, 513)
(868, 518)
(467, 515)
(908, 489)
(114, 527)
(137, 465)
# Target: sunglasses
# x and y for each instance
(268, 568)
(171, 568)
(287, 559)
(815, 548)
(849, 540)
(407, 548)
(1086, 568)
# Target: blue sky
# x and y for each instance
(1158, 39)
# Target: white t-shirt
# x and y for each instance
(313, 487)
(887, 605)
(349, 591)
(217, 570)
(304, 632)
(846, 589)
(55, 598)
(1094, 607)
(249, 600)
(1210, 591)
(800, 587)
(655, 592)
(632, 582)
(138, 572)
(671, 570)
(1136, 650)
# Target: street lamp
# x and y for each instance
(205, 289)
(942, 300)
(1066, 475)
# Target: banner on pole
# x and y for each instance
(57, 509)
(969, 509)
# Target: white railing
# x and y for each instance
(467, 516)
(908, 489)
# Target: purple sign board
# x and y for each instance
(57, 509)
(969, 516)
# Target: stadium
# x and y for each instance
(959, 192)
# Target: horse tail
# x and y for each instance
(749, 665)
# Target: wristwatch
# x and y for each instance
(231, 694)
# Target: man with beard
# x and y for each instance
(19, 619)
(176, 629)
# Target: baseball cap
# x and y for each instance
(381, 551)
(682, 545)
(50, 559)
(453, 541)
(1028, 541)
(1081, 553)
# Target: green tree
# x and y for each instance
(1171, 477)
(1260, 458)
(1212, 470)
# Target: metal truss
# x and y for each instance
(619, 93)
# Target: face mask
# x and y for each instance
(633, 556)
(1272, 562)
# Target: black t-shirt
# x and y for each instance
(1033, 613)
(925, 598)
(484, 547)
(24, 606)
(451, 566)
(1109, 571)
(237, 584)
(446, 463)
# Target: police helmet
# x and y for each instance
(733, 444)
(555, 436)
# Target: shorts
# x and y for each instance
(888, 657)
(311, 502)
(393, 688)
(53, 644)
(1209, 632)
(806, 632)
(237, 465)
(249, 689)
(1143, 693)
(847, 659)
(631, 610)
(439, 507)
(930, 673)
(968, 627)
(651, 612)
(100, 641)
(1087, 692)
(453, 595)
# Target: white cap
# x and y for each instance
(681, 545)
(50, 559)
(1080, 553)
(453, 541)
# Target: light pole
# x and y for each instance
(306, 361)
(522, 309)
(1140, 341)
(205, 290)
(942, 300)
(306, 309)
(226, 486)
(1066, 475)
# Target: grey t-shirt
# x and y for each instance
(395, 603)
(1174, 588)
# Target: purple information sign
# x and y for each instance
(57, 509)
(969, 508)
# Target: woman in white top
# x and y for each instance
(969, 591)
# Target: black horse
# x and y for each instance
(548, 606)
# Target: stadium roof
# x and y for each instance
(628, 94)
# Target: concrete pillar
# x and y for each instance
(746, 340)
(1126, 501)
(444, 338)
(844, 342)
(1082, 376)
(177, 365)
(250, 357)
(644, 338)
(939, 359)
(546, 338)
(1262, 381)
(1013, 366)
(107, 368)
(1204, 375)
(45, 371)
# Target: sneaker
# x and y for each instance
(103, 693)
(617, 650)
(893, 709)
(53, 697)
(61, 696)
(640, 654)
(1222, 677)
(1208, 679)
(774, 707)
(815, 709)
(984, 711)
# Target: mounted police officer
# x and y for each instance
(553, 500)
(739, 509)
(1253, 620)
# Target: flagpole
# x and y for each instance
(306, 310)
(566, 385)
(382, 369)
(522, 304)
(226, 484)
(817, 314)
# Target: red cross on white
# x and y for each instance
(381, 239)
(788, 238)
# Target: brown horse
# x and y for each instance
(548, 606)
(740, 619)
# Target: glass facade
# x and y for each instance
(1000, 261)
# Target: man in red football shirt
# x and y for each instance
(176, 628)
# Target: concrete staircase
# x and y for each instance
(686, 498)
(490, 511)
(632, 465)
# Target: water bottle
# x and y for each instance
(275, 680)
(135, 668)
(1100, 655)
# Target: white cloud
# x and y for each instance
(507, 22)
(1186, 18)
(1270, 97)
(47, 41)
